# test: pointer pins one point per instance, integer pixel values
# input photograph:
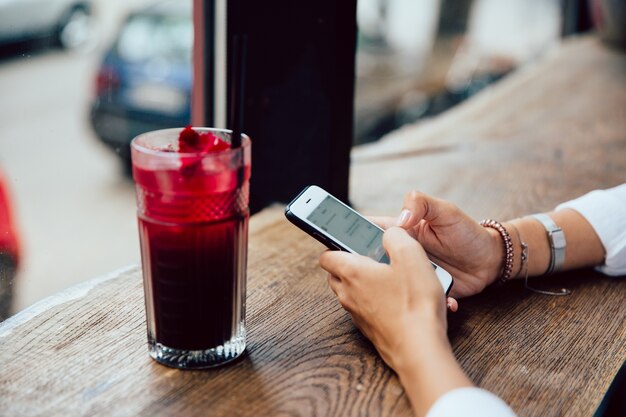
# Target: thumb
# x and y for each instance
(419, 206)
(403, 249)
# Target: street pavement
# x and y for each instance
(74, 208)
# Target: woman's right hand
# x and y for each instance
(472, 254)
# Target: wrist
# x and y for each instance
(497, 253)
(430, 370)
(533, 234)
(417, 348)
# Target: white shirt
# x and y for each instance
(469, 402)
(605, 210)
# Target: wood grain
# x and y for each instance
(89, 355)
(541, 136)
(546, 134)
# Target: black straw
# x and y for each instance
(237, 89)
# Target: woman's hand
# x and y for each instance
(391, 304)
(471, 253)
(401, 309)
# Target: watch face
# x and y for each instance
(557, 242)
(558, 239)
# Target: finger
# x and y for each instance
(334, 283)
(358, 323)
(344, 265)
(452, 304)
(418, 206)
(336, 286)
(384, 222)
(403, 249)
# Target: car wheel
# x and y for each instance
(75, 28)
(7, 277)
(127, 167)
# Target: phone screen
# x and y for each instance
(349, 228)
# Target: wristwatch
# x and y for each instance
(556, 238)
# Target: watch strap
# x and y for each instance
(556, 239)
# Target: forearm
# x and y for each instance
(583, 249)
(428, 369)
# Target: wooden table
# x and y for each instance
(547, 133)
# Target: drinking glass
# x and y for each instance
(192, 211)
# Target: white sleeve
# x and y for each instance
(470, 402)
(605, 210)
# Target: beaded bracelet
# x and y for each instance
(507, 268)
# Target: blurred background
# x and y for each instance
(79, 79)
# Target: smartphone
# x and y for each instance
(339, 227)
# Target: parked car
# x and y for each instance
(9, 249)
(66, 22)
(144, 81)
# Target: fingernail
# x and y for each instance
(403, 217)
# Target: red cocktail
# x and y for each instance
(192, 205)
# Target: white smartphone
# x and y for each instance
(339, 227)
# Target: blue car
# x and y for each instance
(144, 81)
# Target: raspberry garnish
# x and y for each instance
(191, 141)
(214, 143)
(188, 140)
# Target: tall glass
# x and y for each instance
(193, 215)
